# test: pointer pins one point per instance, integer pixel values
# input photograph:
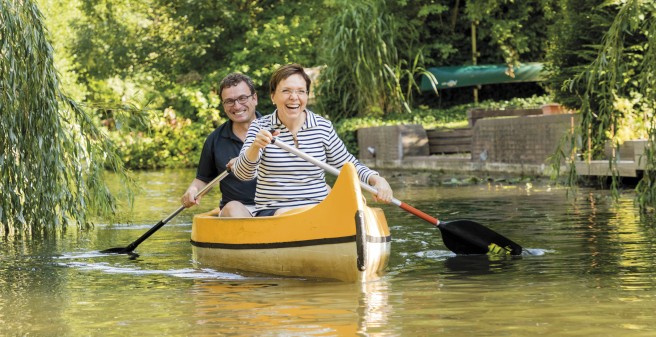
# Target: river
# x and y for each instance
(588, 270)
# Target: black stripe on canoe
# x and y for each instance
(291, 244)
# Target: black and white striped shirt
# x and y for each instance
(285, 180)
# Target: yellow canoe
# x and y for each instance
(341, 238)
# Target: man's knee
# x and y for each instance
(234, 209)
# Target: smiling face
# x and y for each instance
(289, 100)
(239, 112)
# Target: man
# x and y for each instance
(222, 146)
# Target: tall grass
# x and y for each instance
(367, 73)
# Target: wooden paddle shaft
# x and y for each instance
(365, 186)
(198, 195)
(461, 237)
(163, 222)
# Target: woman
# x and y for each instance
(284, 180)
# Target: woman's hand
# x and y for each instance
(262, 139)
(385, 193)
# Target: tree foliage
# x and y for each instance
(518, 29)
(170, 56)
(569, 52)
(52, 155)
(164, 47)
(152, 50)
(617, 92)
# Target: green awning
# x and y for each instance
(466, 76)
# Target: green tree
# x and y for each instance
(52, 156)
(569, 51)
(163, 47)
(171, 55)
(364, 36)
(517, 30)
(617, 91)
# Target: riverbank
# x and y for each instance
(505, 145)
(519, 144)
(462, 164)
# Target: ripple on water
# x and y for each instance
(189, 273)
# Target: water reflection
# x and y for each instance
(478, 264)
(375, 309)
(290, 307)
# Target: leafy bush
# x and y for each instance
(169, 142)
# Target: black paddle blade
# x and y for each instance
(469, 237)
(118, 250)
(121, 250)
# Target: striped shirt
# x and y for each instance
(285, 180)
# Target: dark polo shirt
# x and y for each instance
(221, 146)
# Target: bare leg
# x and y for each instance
(235, 209)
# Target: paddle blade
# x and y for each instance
(121, 250)
(469, 237)
(118, 250)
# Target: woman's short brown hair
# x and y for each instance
(284, 72)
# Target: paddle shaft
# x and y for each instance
(163, 222)
(460, 236)
(369, 188)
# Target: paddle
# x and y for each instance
(128, 250)
(459, 236)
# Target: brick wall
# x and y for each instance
(519, 140)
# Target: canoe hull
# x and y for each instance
(340, 238)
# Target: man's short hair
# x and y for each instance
(234, 79)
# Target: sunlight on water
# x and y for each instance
(432, 254)
(535, 251)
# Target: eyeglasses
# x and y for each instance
(241, 99)
(289, 92)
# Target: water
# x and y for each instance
(588, 271)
